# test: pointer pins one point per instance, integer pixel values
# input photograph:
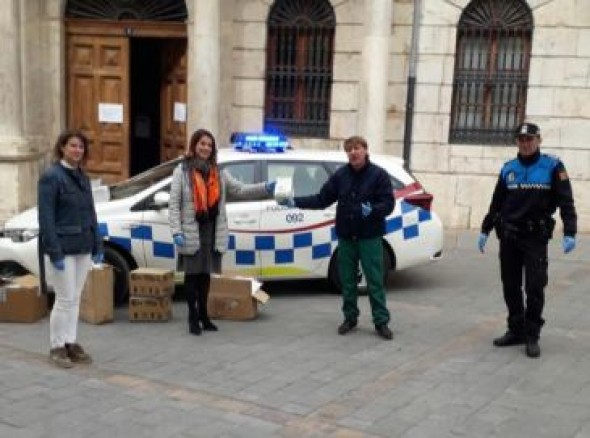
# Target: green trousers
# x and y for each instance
(370, 254)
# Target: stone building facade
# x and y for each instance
(227, 43)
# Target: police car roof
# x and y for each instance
(228, 154)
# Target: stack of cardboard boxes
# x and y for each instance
(150, 294)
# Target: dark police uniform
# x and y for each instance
(528, 191)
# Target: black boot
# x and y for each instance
(533, 331)
(508, 339)
(209, 326)
(384, 331)
(190, 292)
(203, 296)
(204, 317)
(532, 347)
(194, 327)
(515, 335)
(346, 326)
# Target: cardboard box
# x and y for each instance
(233, 297)
(157, 309)
(21, 300)
(151, 282)
(96, 304)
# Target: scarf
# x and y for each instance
(206, 189)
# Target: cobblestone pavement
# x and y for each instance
(289, 374)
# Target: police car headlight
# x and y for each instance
(21, 235)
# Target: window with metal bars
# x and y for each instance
(156, 10)
(299, 61)
(491, 71)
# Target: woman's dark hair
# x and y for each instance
(197, 135)
(63, 139)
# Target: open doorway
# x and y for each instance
(157, 81)
(145, 82)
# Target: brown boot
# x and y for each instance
(59, 356)
(77, 354)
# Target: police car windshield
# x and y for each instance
(142, 181)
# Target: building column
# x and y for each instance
(18, 152)
(11, 110)
(204, 66)
(375, 73)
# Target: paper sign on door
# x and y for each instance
(110, 113)
(179, 112)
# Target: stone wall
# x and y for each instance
(461, 177)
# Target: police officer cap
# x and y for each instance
(527, 129)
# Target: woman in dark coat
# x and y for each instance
(70, 240)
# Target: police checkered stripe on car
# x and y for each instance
(409, 221)
(310, 244)
(285, 246)
(137, 236)
(288, 246)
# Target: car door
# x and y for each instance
(243, 217)
(154, 232)
(297, 243)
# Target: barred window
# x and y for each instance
(155, 10)
(299, 61)
(491, 71)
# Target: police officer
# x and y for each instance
(529, 190)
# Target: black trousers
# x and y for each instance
(196, 291)
(523, 259)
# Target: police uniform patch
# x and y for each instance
(511, 177)
(562, 175)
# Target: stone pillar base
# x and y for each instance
(21, 161)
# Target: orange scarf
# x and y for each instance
(206, 195)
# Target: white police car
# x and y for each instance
(266, 240)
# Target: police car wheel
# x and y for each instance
(120, 273)
(334, 274)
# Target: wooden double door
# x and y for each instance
(126, 90)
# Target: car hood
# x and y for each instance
(24, 220)
(28, 219)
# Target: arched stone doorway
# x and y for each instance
(126, 88)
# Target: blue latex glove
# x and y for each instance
(287, 202)
(97, 258)
(366, 208)
(481, 242)
(568, 243)
(179, 239)
(270, 187)
(59, 265)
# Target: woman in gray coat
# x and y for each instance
(198, 220)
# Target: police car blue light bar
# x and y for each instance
(259, 142)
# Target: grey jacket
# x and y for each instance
(182, 211)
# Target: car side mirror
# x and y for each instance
(161, 200)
